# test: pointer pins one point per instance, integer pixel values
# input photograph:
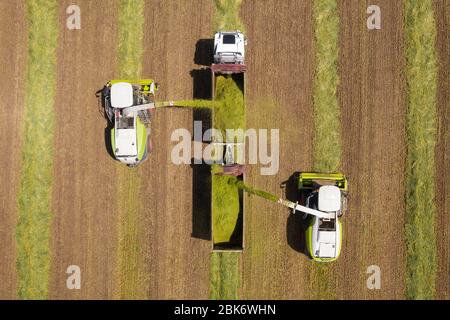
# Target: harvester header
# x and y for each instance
(311, 180)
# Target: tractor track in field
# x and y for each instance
(278, 96)
(84, 230)
(373, 121)
(13, 32)
(442, 14)
(175, 228)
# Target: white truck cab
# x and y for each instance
(229, 47)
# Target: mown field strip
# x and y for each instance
(224, 273)
(327, 125)
(34, 198)
(224, 268)
(130, 49)
(226, 15)
(421, 77)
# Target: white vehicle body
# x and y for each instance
(326, 243)
(125, 127)
(125, 122)
(125, 136)
(326, 229)
(229, 47)
(121, 95)
(324, 206)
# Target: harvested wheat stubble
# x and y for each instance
(174, 220)
(373, 111)
(13, 32)
(278, 96)
(84, 230)
(442, 12)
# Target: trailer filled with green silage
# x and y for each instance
(227, 223)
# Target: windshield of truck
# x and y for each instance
(229, 39)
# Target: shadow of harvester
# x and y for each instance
(100, 94)
(296, 225)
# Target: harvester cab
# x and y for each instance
(128, 106)
(327, 194)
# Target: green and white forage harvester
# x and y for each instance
(325, 202)
(325, 198)
(129, 105)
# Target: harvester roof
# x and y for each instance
(329, 199)
(121, 95)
